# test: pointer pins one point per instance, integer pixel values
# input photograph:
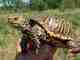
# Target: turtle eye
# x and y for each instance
(15, 19)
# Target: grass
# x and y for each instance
(77, 58)
(6, 33)
(74, 16)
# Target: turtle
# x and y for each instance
(51, 30)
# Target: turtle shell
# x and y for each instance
(57, 25)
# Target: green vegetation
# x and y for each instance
(7, 34)
(74, 16)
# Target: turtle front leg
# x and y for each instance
(18, 47)
(36, 44)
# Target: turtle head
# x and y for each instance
(17, 21)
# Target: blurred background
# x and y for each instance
(70, 9)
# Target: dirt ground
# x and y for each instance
(7, 54)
